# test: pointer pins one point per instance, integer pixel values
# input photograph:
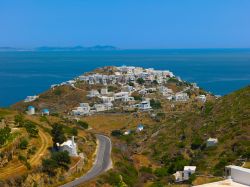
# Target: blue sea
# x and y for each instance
(220, 71)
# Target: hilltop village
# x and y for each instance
(164, 131)
(126, 88)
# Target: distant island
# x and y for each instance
(75, 48)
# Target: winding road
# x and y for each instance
(102, 162)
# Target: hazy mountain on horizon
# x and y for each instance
(75, 48)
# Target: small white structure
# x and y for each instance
(30, 98)
(140, 128)
(93, 93)
(184, 175)
(188, 170)
(45, 112)
(69, 146)
(127, 132)
(212, 142)
(181, 96)
(145, 105)
(31, 110)
(238, 174)
(121, 95)
(83, 109)
(106, 99)
(104, 91)
(100, 107)
(201, 98)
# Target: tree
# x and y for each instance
(140, 81)
(58, 135)
(49, 166)
(62, 158)
(83, 124)
(19, 120)
(23, 144)
(155, 104)
(4, 135)
(74, 131)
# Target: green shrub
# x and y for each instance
(140, 81)
(116, 133)
(155, 104)
(4, 135)
(161, 172)
(23, 144)
(31, 128)
(83, 124)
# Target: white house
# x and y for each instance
(212, 142)
(188, 170)
(69, 146)
(104, 91)
(140, 128)
(127, 99)
(145, 105)
(45, 112)
(100, 107)
(31, 110)
(181, 96)
(127, 132)
(201, 98)
(121, 95)
(30, 98)
(82, 110)
(93, 93)
(106, 99)
(238, 174)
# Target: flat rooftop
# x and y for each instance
(224, 183)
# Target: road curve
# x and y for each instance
(102, 162)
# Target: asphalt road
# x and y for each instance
(102, 162)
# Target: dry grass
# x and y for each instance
(105, 123)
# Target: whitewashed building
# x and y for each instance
(30, 98)
(106, 99)
(104, 91)
(121, 95)
(238, 174)
(201, 98)
(188, 170)
(181, 96)
(93, 93)
(145, 105)
(31, 110)
(212, 142)
(83, 109)
(69, 146)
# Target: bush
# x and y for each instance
(57, 134)
(140, 81)
(4, 135)
(57, 159)
(144, 169)
(62, 158)
(116, 133)
(31, 128)
(83, 124)
(74, 131)
(23, 144)
(161, 172)
(58, 92)
(196, 143)
(155, 104)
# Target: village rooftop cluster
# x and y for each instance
(129, 78)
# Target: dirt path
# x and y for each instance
(17, 169)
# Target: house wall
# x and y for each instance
(242, 177)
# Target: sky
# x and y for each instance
(128, 24)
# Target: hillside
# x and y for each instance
(177, 117)
(180, 139)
